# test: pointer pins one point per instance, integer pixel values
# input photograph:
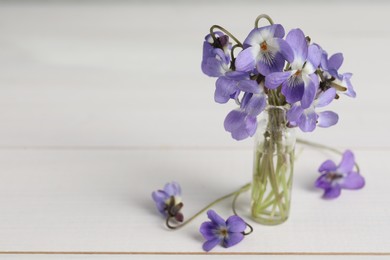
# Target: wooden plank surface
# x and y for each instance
(101, 103)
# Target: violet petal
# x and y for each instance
(332, 193)
(347, 162)
(327, 119)
(235, 224)
(353, 181)
(210, 244)
(233, 239)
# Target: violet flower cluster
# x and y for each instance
(274, 70)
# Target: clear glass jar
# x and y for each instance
(273, 167)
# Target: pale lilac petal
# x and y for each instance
(225, 87)
(210, 244)
(350, 91)
(159, 198)
(237, 75)
(259, 35)
(327, 166)
(308, 121)
(353, 181)
(347, 162)
(233, 239)
(256, 104)
(296, 39)
(323, 182)
(274, 80)
(215, 218)
(235, 224)
(245, 99)
(277, 30)
(335, 61)
(269, 64)
(159, 195)
(172, 189)
(207, 229)
(234, 120)
(310, 85)
(332, 193)
(314, 56)
(213, 67)
(326, 97)
(294, 113)
(248, 128)
(246, 59)
(324, 60)
(285, 50)
(253, 38)
(250, 86)
(327, 119)
(293, 91)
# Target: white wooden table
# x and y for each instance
(102, 103)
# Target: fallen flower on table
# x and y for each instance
(217, 231)
(334, 178)
(168, 201)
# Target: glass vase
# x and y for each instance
(273, 168)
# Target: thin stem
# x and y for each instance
(232, 50)
(265, 16)
(321, 146)
(225, 31)
(243, 188)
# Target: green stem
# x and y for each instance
(226, 32)
(243, 188)
(321, 146)
(265, 16)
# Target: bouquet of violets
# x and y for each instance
(284, 78)
(273, 70)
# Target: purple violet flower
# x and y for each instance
(264, 49)
(331, 67)
(308, 118)
(168, 201)
(216, 57)
(300, 83)
(345, 81)
(242, 122)
(231, 84)
(334, 178)
(216, 231)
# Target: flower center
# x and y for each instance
(263, 46)
(333, 176)
(298, 73)
(223, 232)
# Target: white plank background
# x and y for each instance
(103, 102)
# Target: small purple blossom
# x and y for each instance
(334, 178)
(300, 83)
(265, 50)
(217, 231)
(242, 122)
(332, 76)
(216, 57)
(231, 84)
(331, 65)
(345, 81)
(307, 118)
(168, 201)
